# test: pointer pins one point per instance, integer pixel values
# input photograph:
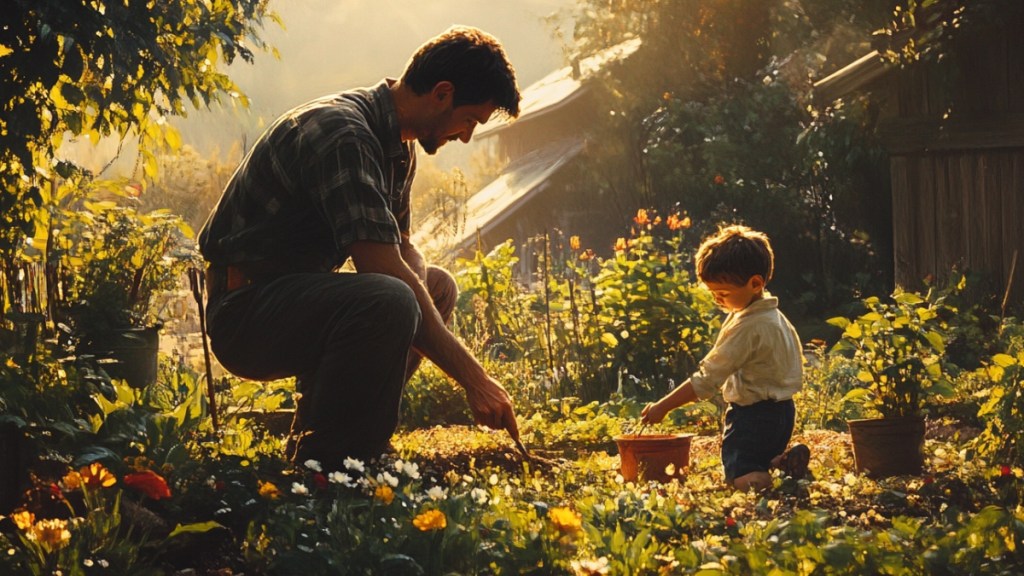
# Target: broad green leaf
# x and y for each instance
(857, 395)
(839, 322)
(195, 528)
(909, 298)
(1003, 360)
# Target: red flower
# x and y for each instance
(149, 483)
(730, 521)
(719, 179)
(1005, 470)
(55, 492)
(320, 481)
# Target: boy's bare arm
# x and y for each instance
(656, 412)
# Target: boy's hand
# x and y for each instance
(652, 414)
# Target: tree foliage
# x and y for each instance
(714, 116)
(100, 68)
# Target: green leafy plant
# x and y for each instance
(117, 260)
(897, 348)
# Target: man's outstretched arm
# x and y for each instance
(488, 399)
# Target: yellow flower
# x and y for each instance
(574, 242)
(620, 245)
(95, 475)
(384, 493)
(52, 534)
(565, 520)
(72, 481)
(269, 491)
(430, 520)
(23, 519)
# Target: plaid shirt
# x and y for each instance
(327, 174)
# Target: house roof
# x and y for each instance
(560, 87)
(851, 77)
(485, 210)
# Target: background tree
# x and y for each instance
(714, 116)
(100, 68)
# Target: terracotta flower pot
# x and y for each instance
(660, 457)
(884, 447)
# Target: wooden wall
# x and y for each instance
(956, 138)
(957, 211)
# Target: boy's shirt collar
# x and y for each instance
(766, 302)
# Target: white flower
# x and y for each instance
(87, 562)
(412, 470)
(104, 563)
(353, 464)
(313, 465)
(300, 489)
(436, 493)
(599, 566)
(387, 478)
(479, 495)
(340, 478)
(493, 480)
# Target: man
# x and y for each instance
(329, 181)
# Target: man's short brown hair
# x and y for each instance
(735, 255)
(473, 61)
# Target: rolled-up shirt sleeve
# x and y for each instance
(725, 358)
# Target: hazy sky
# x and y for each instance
(330, 45)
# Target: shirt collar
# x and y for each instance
(390, 132)
(767, 302)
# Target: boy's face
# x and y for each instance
(735, 297)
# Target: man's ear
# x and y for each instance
(443, 91)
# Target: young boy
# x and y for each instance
(756, 361)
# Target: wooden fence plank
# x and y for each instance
(902, 233)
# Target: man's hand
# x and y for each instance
(492, 406)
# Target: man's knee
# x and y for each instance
(398, 304)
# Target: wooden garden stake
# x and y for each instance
(197, 278)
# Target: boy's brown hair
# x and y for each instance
(734, 255)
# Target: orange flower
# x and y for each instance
(620, 245)
(384, 493)
(641, 218)
(719, 179)
(574, 242)
(72, 481)
(96, 475)
(269, 491)
(587, 254)
(149, 483)
(675, 222)
(430, 520)
(52, 534)
(565, 520)
(23, 519)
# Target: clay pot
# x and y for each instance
(659, 457)
(884, 447)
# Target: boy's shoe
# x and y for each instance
(793, 462)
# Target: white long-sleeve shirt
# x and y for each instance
(756, 357)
